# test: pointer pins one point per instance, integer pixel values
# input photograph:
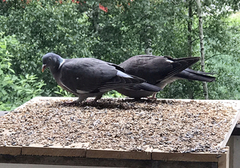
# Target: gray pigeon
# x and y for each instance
(160, 71)
(90, 77)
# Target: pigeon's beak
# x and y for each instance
(43, 67)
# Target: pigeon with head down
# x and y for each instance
(160, 71)
(90, 77)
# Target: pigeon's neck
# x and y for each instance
(57, 66)
(61, 61)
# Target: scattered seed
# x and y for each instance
(167, 125)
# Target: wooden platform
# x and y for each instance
(43, 155)
(122, 158)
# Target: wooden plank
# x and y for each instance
(10, 150)
(47, 151)
(118, 154)
(189, 157)
(223, 160)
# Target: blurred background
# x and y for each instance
(115, 31)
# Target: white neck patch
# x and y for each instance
(63, 60)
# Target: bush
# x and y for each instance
(15, 90)
(41, 27)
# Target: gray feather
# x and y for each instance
(160, 71)
(88, 77)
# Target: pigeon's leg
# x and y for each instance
(79, 100)
(153, 97)
(137, 98)
(99, 96)
(94, 101)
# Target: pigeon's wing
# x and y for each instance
(156, 68)
(121, 79)
(89, 75)
(144, 67)
(179, 65)
(116, 66)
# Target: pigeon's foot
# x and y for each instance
(98, 97)
(90, 101)
(94, 101)
(153, 97)
(75, 102)
(72, 103)
(137, 99)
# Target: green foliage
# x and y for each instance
(15, 90)
(113, 94)
(44, 26)
(221, 50)
(128, 28)
(227, 85)
(62, 92)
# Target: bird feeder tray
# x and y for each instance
(153, 130)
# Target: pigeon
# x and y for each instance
(160, 71)
(91, 77)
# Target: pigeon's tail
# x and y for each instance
(146, 87)
(195, 75)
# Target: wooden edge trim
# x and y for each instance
(223, 159)
(189, 157)
(234, 123)
(10, 150)
(119, 154)
(54, 151)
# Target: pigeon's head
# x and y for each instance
(52, 61)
